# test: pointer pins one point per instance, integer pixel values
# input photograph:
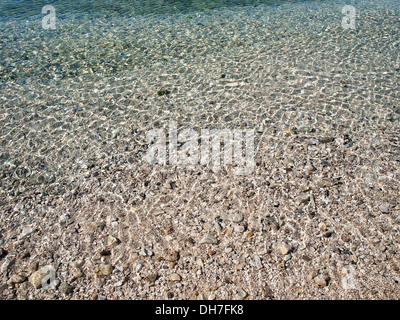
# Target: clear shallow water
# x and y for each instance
(24, 8)
(265, 67)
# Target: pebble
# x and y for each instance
(66, 288)
(9, 261)
(209, 238)
(138, 268)
(173, 256)
(200, 263)
(287, 257)
(304, 188)
(112, 240)
(63, 219)
(76, 275)
(309, 168)
(97, 225)
(18, 207)
(114, 224)
(257, 262)
(326, 139)
(232, 217)
(211, 296)
(249, 234)
(152, 278)
(322, 280)
(17, 278)
(158, 212)
(36, 278)
(288, 163)
(77, 263)
(145, 252)
(170, 237)
(384, 209)
(303, 198)
(239, 229)
(282, 249)
(111, 218)
(228, 249)
(327, 234)
(174, 277)
(241, 294)
(239, 266)
(27, 230)
(105, 269)
(119, 283)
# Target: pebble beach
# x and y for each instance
(319, 216)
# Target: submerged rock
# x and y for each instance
(281, 249)
(232, 217)
(209, 238)
(163, 92)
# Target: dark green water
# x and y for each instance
(25, 8)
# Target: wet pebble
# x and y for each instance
(174, 277)
(17, 278)
(27, 230)
(111, 240)
(36, 278)
(321, 280)
(209, 239)
(152, 278)
(66, 288)
(281, 249)
(232, 217)
(384, 209)
(77, 263)
(105, 269)
(257, 262)
(241, 294)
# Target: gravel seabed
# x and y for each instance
(318, 218)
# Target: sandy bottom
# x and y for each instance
(319, 216)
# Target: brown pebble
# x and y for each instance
(327, 234)
(94, 296)
(152, 278)
(34, 266)
(105, 269)
(322, 280)
(228, 232)
(228, 280)
(17, 278)
(174, 256)
(170, 295)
